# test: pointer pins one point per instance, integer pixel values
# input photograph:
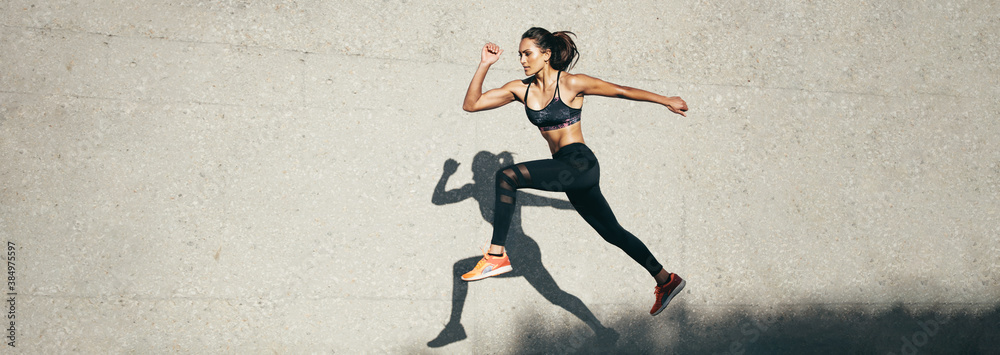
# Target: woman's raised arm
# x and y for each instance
(475, 98)
(594, 86)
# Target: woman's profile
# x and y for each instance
(553, 101)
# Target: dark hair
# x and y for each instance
(564, 53)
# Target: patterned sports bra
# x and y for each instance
(555, 115)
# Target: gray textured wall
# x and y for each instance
(234, 176)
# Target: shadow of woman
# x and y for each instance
(523, 251)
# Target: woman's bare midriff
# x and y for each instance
(562, 137)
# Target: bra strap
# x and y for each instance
(556, 95)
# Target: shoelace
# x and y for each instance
(482, 262)
(660, 289)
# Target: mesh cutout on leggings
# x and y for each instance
(511, 175)
(524, 173)
(506, 183)
(511, 180)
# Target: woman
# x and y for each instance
(573, 168)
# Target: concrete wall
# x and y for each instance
(237, 176)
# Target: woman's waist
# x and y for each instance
(573, 149)
(559, 139)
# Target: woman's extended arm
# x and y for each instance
(475, 98)
(593, 86)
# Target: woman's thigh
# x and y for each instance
(558, 175)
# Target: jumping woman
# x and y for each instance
(553, 100)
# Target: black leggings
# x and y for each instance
(574, 170)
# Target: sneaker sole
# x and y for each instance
(670, 297)
(496, 272)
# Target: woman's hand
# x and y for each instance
(475, 98)
(676, 105)
(491, 53)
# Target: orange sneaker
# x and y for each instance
(489, 266)
(666, 292)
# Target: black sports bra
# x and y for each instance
(555, 115)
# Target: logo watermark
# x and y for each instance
(752, 331)
(579, 337)
(10, 334)
(928, 329)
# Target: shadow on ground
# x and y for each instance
(522, 249)
(687, 329)
(805, 329)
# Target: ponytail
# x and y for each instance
(568, 55)
(562, 48)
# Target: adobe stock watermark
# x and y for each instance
(578, 338)
(10, 332)
(87, 147)
(566, 177)
(928, 329)
(752, 331)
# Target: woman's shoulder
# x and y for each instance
(517, 87)
(518, 83)
(576, 81)
(575, 77)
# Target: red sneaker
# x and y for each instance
(666, 292)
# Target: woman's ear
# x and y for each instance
(546, 55)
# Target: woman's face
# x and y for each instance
(532, 58)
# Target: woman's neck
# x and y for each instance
(546, 77)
